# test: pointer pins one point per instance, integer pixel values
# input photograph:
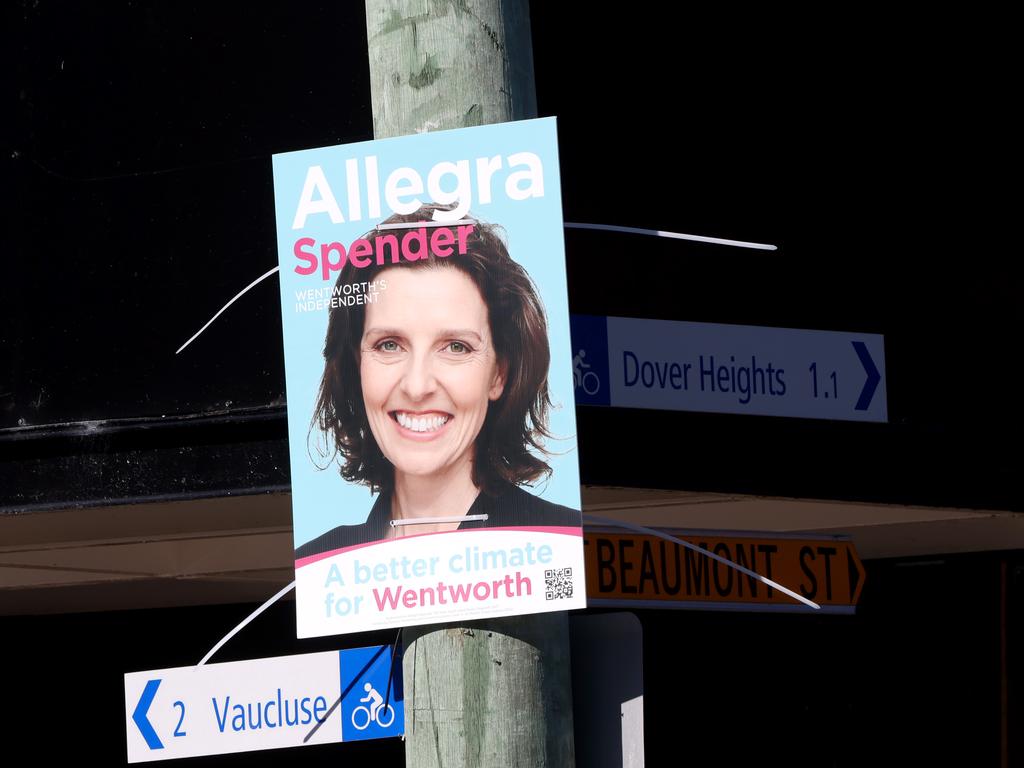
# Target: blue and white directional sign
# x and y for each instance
(680, 366)
(241, 706)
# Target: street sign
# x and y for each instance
(682, 366)
(644, 571)
(241, 706)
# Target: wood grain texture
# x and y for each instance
(491, 694)
(496, 693)
(437, 65)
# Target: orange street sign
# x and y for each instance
(644, 571)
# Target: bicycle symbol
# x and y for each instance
(373, 713)
(588, 379)
(388, 712)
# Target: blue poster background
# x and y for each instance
(533, 231)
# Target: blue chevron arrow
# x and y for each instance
(139, 715)
(873, 376)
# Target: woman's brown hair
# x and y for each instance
(515, 423)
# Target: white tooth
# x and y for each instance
(421, 423)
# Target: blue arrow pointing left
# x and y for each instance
(139, 715)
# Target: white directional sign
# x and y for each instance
(669, 365)
(241, 706)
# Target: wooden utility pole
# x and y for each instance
(494, 693)
(437, 65)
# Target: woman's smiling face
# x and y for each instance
(428, 370)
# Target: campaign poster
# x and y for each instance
(431, 418)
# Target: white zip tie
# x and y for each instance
(567, 225)
(239, 295)
(242, 626)
(418, 224)
(672, 235)
(588, 518)
(424, 520)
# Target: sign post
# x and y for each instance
(477, 68)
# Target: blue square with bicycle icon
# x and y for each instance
(372, 700)
(590, 359)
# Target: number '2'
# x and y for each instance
(177, 730)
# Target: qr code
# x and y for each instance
(558, 583)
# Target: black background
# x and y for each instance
(142, 201)
(869, 147)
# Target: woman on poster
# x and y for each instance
(435, 390)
